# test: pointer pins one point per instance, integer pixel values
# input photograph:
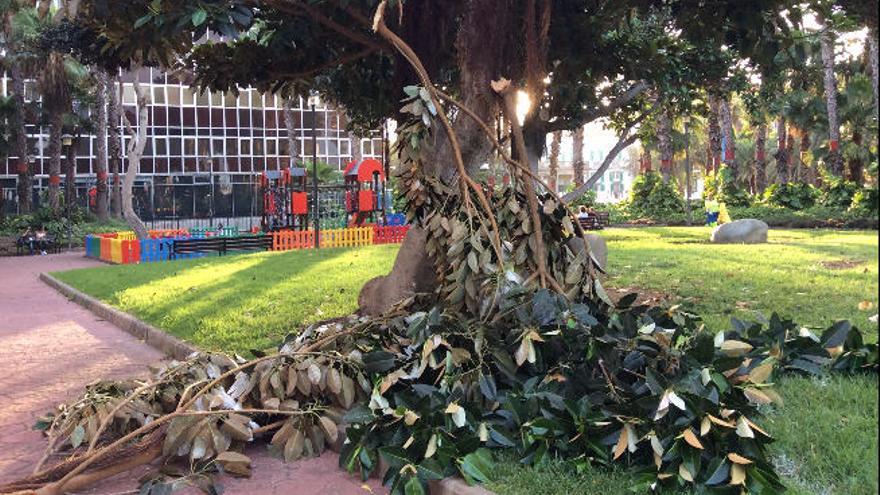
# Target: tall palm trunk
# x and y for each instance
(713, 157)
(56, 122)
(70, 175)
(19, 139)
(760, 157)
(872, 62)
(805, 173)
(729, 136)
(101, 199)
(781, 155)
(855, 167)
(555, 148)
(290, 124)
(835, 161)
(577, 162)
(645, 161)
(793, 170)
(664, 135)
(114, 148)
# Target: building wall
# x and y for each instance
(210, 133)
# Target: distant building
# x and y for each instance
(613, 185)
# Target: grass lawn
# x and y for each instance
(241, 302)
(826, 432)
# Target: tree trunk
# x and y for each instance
(664, 135)
(19, 140)
(56, 121)
(806, 173)
(714, 155)
(782, 175)
(101, 197)
(688, 173)
(835, 161)
(70, 175)
(645, 159)
(872, 62)
(729, 136)
(553, 160)
(290, 124)
(135, 151)
(114, 147)
(856, 166)
(577, 160)
(760, 157)
(355, 140)
(792, 171)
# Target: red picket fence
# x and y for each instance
(389, 234)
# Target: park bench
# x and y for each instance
(49, 244)
(597, 220)
(221, 245)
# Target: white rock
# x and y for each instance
(746, 231)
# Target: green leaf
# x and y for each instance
(199, 17)
(396, 457)
(358, 414)
(430, 469)
(476, 466)
(378, 361)
(143, 20)
(414, 487)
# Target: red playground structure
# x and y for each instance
(285, 200)
(364, 191)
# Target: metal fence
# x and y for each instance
(195, 201)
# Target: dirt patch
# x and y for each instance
(840, 264)
(646, 296)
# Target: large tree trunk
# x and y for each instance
(553, 160)
(356, 154)
(664, 135)
(645, 160)
(729, 136)
(19, 139)
(872, 62)
(135, 151)
(806, 173)
(114, 147)
(856, 166)
(835, 161)
(781, 155)
(70, 175)
(713, 158)
(760, 157)
(101, 197)
(793, 172)
(290, 124)
(577, 157)
(56, 121)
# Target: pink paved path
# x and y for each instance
(50, 348)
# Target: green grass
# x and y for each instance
(238, 303)
(826, 432)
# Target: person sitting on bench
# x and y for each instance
(28, 239)
(41, 238)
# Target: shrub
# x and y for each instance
(724, 188)
(838, 192)
(588, 199)
(651, 197)
(793, 195)
(865, 202)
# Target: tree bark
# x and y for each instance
(664, 135)
(714, 152)
(835, 161)
(872, 62)
(729, 136)
(355, 140)
(70, 175)
(553, 159)
(290, 124)
(856, 165)
(793, 172)
(781, 155)
(135, 151)
(56, 121)
(645, 160)
(19, 139)
(577, 161)
(760, 157)
(101, 197)
(114, 147)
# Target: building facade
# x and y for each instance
(224, 141)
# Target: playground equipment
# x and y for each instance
(285, 200)
(364, 190)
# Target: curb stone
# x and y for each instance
(178, 349)
(152, 336)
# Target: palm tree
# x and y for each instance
(783, 165)
(729, 136)
(713, 151)
(664, 142)
(760, 176)
(553, 159)
(577, 161)
(101, 199)
(829, 82)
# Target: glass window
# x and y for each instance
(160, 145)
(189, 147)
(284, 147)
(256, 99)
(345, 147)
(203, 98)
(258, 147)
(189, 97)
(217, 99)
(128, 94)
(217, 147)
(232, 146)
(230, 99)
(159, 95)
(174, 146)
(272, 147)
(173, 96)
(204, 147)
(244, 146)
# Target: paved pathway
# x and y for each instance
(50, 348)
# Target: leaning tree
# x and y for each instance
(493, 329)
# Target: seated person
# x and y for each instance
(583, 214)
(28, 239)
(41, 238)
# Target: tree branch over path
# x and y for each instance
(603, 111)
